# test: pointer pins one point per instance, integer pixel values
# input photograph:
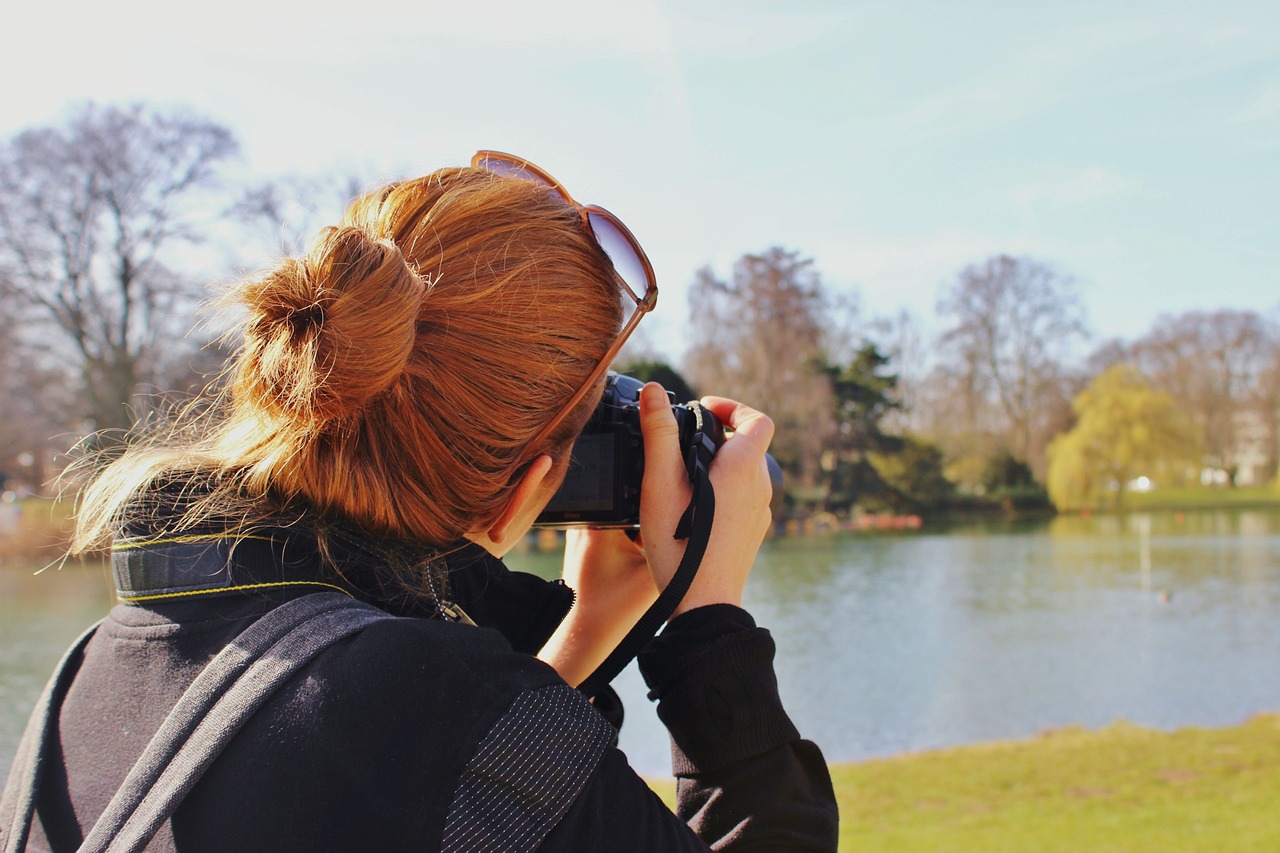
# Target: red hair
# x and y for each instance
(395, 375)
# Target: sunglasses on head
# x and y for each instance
(631, 266)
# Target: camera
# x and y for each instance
(602, 485)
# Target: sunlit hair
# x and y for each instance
(393, 376)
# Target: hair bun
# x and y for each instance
(328, 333)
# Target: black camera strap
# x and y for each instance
(695, 526)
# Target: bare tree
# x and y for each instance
(951, 410)
(1106, 354)
(34, 393)
(761, 337)
(1014, 321)
(901, 339)
(294, 207)
(91, 214)
(1268, 397)
(1217, 364)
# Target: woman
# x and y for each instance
(401, 408)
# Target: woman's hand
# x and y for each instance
(613, 587)
(743, 490)
(616, 579)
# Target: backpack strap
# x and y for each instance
(235, 684)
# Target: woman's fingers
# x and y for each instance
(742, 486)
(665, 490)
(664, 472)
(745, 421)
(741, 459)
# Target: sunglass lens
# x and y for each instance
(509, 170)
(623, 253)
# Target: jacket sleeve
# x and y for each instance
(745, 778)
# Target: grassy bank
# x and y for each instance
(1203, 497)
(1122, 788)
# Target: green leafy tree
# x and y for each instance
(1010, 482)
(914, 476)
(1003, 470)
(1125, 429)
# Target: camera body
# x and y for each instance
(602, 485)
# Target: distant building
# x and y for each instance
(1252, 455)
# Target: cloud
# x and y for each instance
(895, 271)
(724, 30)
(943, 115)
(1263, 105)
(1093, 183)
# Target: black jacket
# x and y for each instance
(422, 733)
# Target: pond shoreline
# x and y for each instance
(39, 529)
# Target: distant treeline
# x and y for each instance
(872, 416)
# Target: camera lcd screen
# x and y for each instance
(588, 485)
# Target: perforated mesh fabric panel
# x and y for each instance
(527, 771)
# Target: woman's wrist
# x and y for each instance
(610, 596)
(693, 601)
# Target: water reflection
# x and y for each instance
(987, 631)
(40, 614)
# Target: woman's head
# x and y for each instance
(395, 376)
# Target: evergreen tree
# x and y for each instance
(862, 395)
(652, 370)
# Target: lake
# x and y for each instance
(901, 642)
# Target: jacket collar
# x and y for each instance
(524, 607)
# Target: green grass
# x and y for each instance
(1123, 788)
(1203, 497)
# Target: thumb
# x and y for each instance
(665, 480)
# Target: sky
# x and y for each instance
(1134, 146)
